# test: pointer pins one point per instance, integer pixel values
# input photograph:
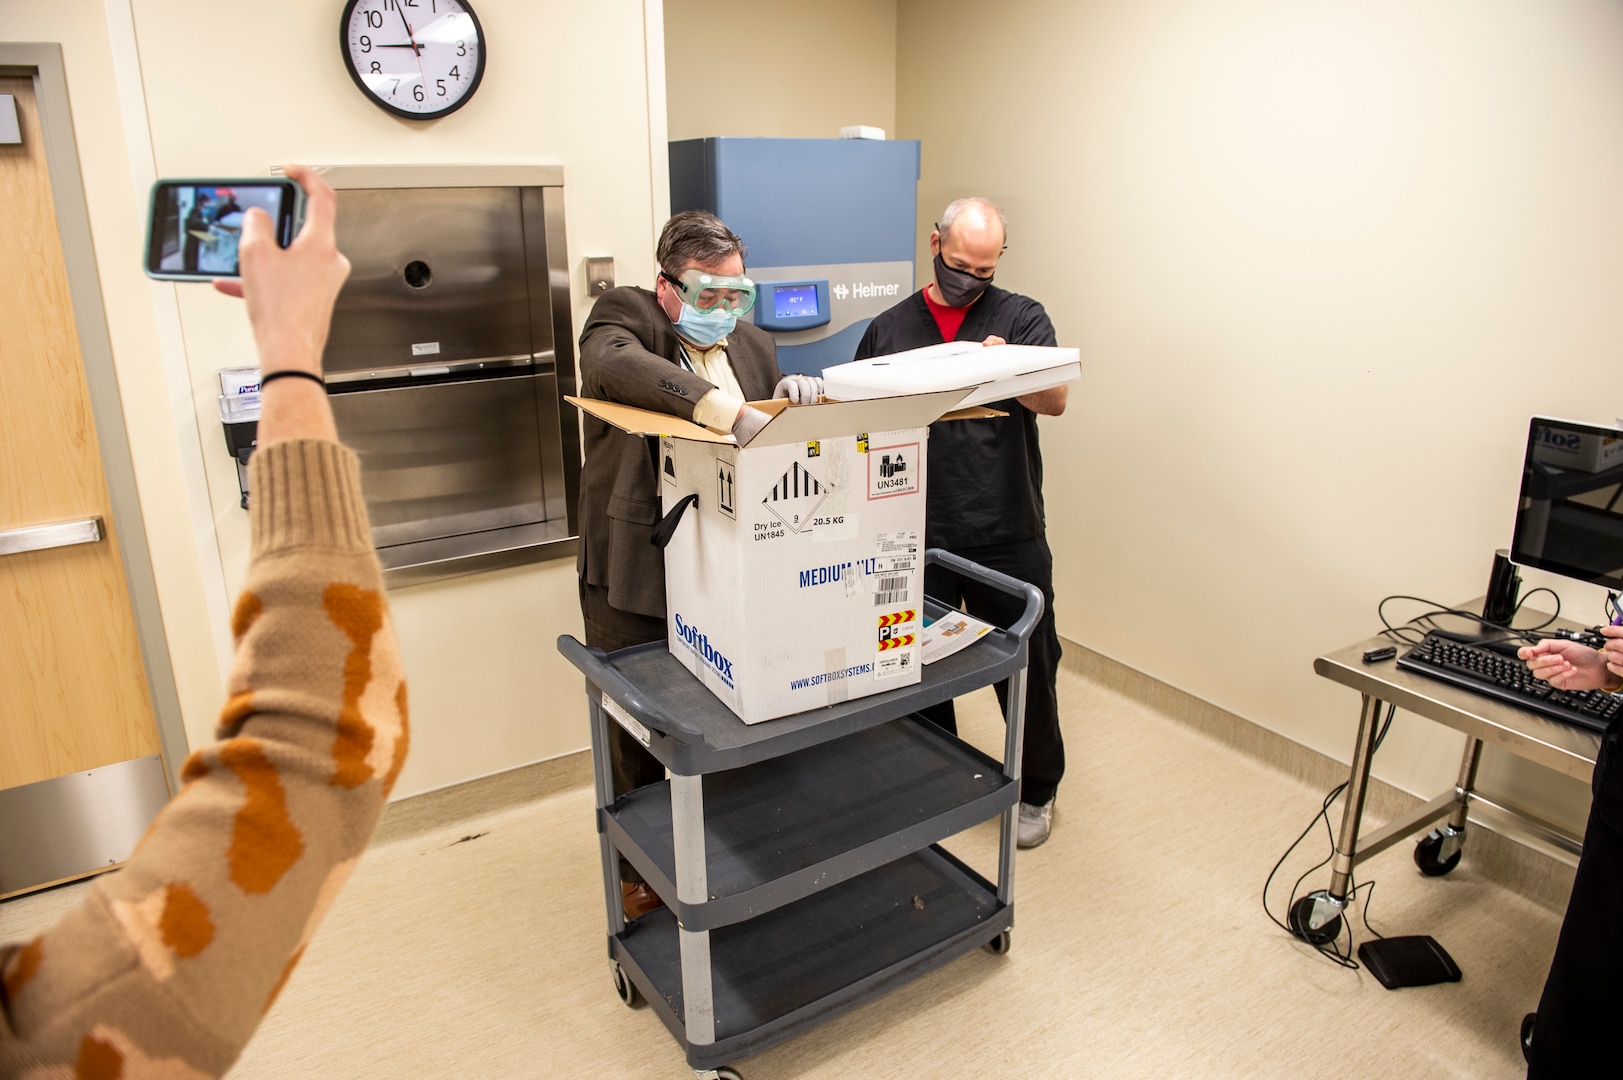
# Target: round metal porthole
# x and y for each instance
(418, 275)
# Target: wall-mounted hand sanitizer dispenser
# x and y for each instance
(239, 415)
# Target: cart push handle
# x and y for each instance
(1021, 630)
(621, 689)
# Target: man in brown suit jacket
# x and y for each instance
(674, 350)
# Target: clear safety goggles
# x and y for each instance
(733, 293)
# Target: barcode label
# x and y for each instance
(623, 718)
(891, 590)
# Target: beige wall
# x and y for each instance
(1315, 254)
(780, 69)
(567, 84)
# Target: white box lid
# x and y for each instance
(988, 372)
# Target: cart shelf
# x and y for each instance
(814, 959)
(692, 731)
(785, 827)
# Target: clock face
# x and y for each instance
(419, 59)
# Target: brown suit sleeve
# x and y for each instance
(626, 356)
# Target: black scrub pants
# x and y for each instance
(610, 629)
(1573, 1035)
(1042, 761)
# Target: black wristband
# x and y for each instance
(290, 373)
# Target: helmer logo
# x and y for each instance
(693, 639)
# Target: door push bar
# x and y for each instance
(43, 537)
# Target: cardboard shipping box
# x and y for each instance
(795, 577)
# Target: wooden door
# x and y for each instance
(73, 691)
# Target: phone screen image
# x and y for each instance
(196, 227)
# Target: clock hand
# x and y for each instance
(415, 48)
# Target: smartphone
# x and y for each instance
(194, 226)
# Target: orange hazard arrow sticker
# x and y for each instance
(897, 617)
(896, 642)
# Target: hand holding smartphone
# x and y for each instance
(289, 290)
(194, 227)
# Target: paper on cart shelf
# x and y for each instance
(949, 634)
(995, 372)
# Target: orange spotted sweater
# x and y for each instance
(167, 966)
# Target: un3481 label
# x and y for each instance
(893, 470)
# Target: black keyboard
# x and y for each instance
(1507, 678)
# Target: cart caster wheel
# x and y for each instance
(1527, 1036)
(1425, 857)
(1300, 913)
(723, 1072)
(998, 946)
(624, 986)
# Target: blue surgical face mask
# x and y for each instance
(705, 328)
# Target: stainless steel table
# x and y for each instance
(1316, 917)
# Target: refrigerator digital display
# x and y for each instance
(792, 301)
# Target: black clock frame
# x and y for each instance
(404, 114)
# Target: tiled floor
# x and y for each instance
(1140, 947)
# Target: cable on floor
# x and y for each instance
(1328, 949)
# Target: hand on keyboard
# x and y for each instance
(1569, 665)
(1556, 678)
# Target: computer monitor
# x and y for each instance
(1569, 519)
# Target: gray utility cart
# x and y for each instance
(799, 856)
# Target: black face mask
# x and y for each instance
(959, 288)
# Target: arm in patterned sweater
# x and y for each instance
(167, 966)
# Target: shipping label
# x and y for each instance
(893, 470)
(895, 569)
(895, 665)
(898, 630)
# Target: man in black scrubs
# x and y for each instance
(1571, 1034)
(985, 493)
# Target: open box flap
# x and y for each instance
(799, 423)
(831, 419)
(637, 421)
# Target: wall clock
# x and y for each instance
(419, 59)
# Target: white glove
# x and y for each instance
(799, 389)
(749, 423)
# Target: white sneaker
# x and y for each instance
(1036, 822)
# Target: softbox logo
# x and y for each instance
(701, 647)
